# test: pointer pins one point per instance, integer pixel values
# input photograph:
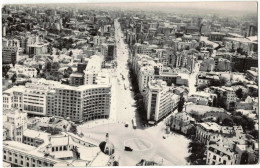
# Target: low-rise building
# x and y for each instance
(181, 122)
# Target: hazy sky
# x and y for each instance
(245, 6)
(233, 6)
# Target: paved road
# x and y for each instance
(148, 143)
(125, 103)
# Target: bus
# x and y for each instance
(134, 123)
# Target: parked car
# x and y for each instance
(127, 148)
(126, 124)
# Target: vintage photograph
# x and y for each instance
(130, 84)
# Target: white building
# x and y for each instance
(92, 69)
(220, 154)
(13, 98)
(159, 100)
(15, 122)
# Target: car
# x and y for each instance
(127, 148)
(126, 124)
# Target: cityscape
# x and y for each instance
(130, 84)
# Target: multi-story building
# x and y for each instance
(43, 97)
(37, 49)
(227, 94)
(86, 102)
(216, 36)
(19, 69)
(92, 69)
(206, 78)
(108, 50)
(159, 100)
(243, 63)
(13, 98)
(252, 74)
(34, 98)
(218, 154)
(15, 122)
(207, 131)
(146, 74)
(98, 40)
(9, 54)
(44, 150)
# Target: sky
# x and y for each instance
(243, 6)
(226, 6)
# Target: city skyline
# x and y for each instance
(130, 84)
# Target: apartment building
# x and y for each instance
(13, 98)
(159, 100)
(218, 154)
(43, 97)
(79, 103)
(92, 69)
(98, 40)
(207, 131)
(108, 50)
(34, 99)
(145, 75)
(9, 54)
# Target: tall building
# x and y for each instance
(159, 100)
(108, 50)
(252, 30)
(86, 102)
(43, 97)
(92, 69)
(4, 31)
(9, 54)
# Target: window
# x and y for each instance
(214, 157)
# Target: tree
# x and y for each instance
(254, 133)
(191, 132)
(73, 129)
(239, 93)
(202, 87)
(214, 102)
(244, 158)
(181, 104)
(55, 66)
(5, 69)
(14, 77)
(228, 122)
(197, 153)
(49, 48)
(70, 54)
